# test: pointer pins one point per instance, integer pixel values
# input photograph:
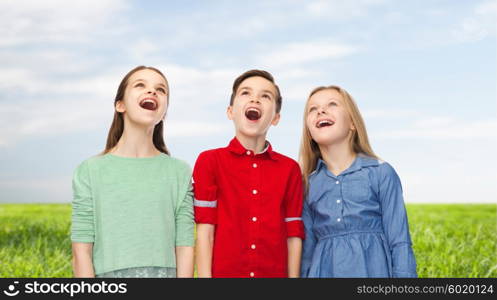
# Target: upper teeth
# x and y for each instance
(253, 109)
(324, 122)
(148, 100)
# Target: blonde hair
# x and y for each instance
(309, 150)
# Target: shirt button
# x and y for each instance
(248, 152)
(253, 246)
(254, 165)
(338, 201)
(254, 219)
(337, 182)
(254, 192)
(252, 274)
(338, 220)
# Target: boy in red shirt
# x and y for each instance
(248, 198)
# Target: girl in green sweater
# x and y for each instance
(133, 204)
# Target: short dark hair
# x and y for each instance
(253, 73)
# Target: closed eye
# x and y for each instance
(312, 109)
(267, 96)
(333, 103)
(244, 93)
(139, 84)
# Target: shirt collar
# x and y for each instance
(236, 147)
(359, 162)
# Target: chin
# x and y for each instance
(145, 122)
(252, 132)
(323, 140)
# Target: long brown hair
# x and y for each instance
(117, 126)
(309, 150)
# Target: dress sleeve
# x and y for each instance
(205, 189)
(184, 213)
(293, 204)
(82, 225)
(309, 242)
(395, 224)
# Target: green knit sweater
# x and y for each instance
(135, 211)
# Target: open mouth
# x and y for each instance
(253, 114)
(149, 104)
(324, 123)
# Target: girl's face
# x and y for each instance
(145, 98)
(328, 120)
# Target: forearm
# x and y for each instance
(184, 262)
(82, 261)
(294, 255)
(203, 250)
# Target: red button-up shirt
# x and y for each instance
(255, 201)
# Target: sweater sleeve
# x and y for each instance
(395, 223)
(82, 226)
(184, 213)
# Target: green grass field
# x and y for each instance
(449, 240)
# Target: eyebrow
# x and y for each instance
(330, 99)
(161, 84)
(249, 88)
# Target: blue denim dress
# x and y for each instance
(356, 223)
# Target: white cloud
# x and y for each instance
(304, 52)
(24, 21)
(54, 189)
(480, 24)
(86, 103)
(194, 128)
(443, 128)
(439, 188)
(52, 117)
(341, 9)
(36, 82)
(388, 113)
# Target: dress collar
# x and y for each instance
(359, 162)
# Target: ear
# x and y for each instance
(276, 119)
(229, 112)
(352, 126)
(120, 107)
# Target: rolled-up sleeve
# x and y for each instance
(205, 190)
(395, 224)
(294, 204)
(82, 225)
(184, 214)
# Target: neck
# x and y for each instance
(338, 157)
(136, 141)
(256, 144)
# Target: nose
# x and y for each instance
(151, 91)
(321, 110)
(256, 100)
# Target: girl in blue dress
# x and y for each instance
(354, 214)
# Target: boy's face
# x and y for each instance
(254, 107)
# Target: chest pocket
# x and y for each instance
(357, 190)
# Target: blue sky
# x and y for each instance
(422, 72)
